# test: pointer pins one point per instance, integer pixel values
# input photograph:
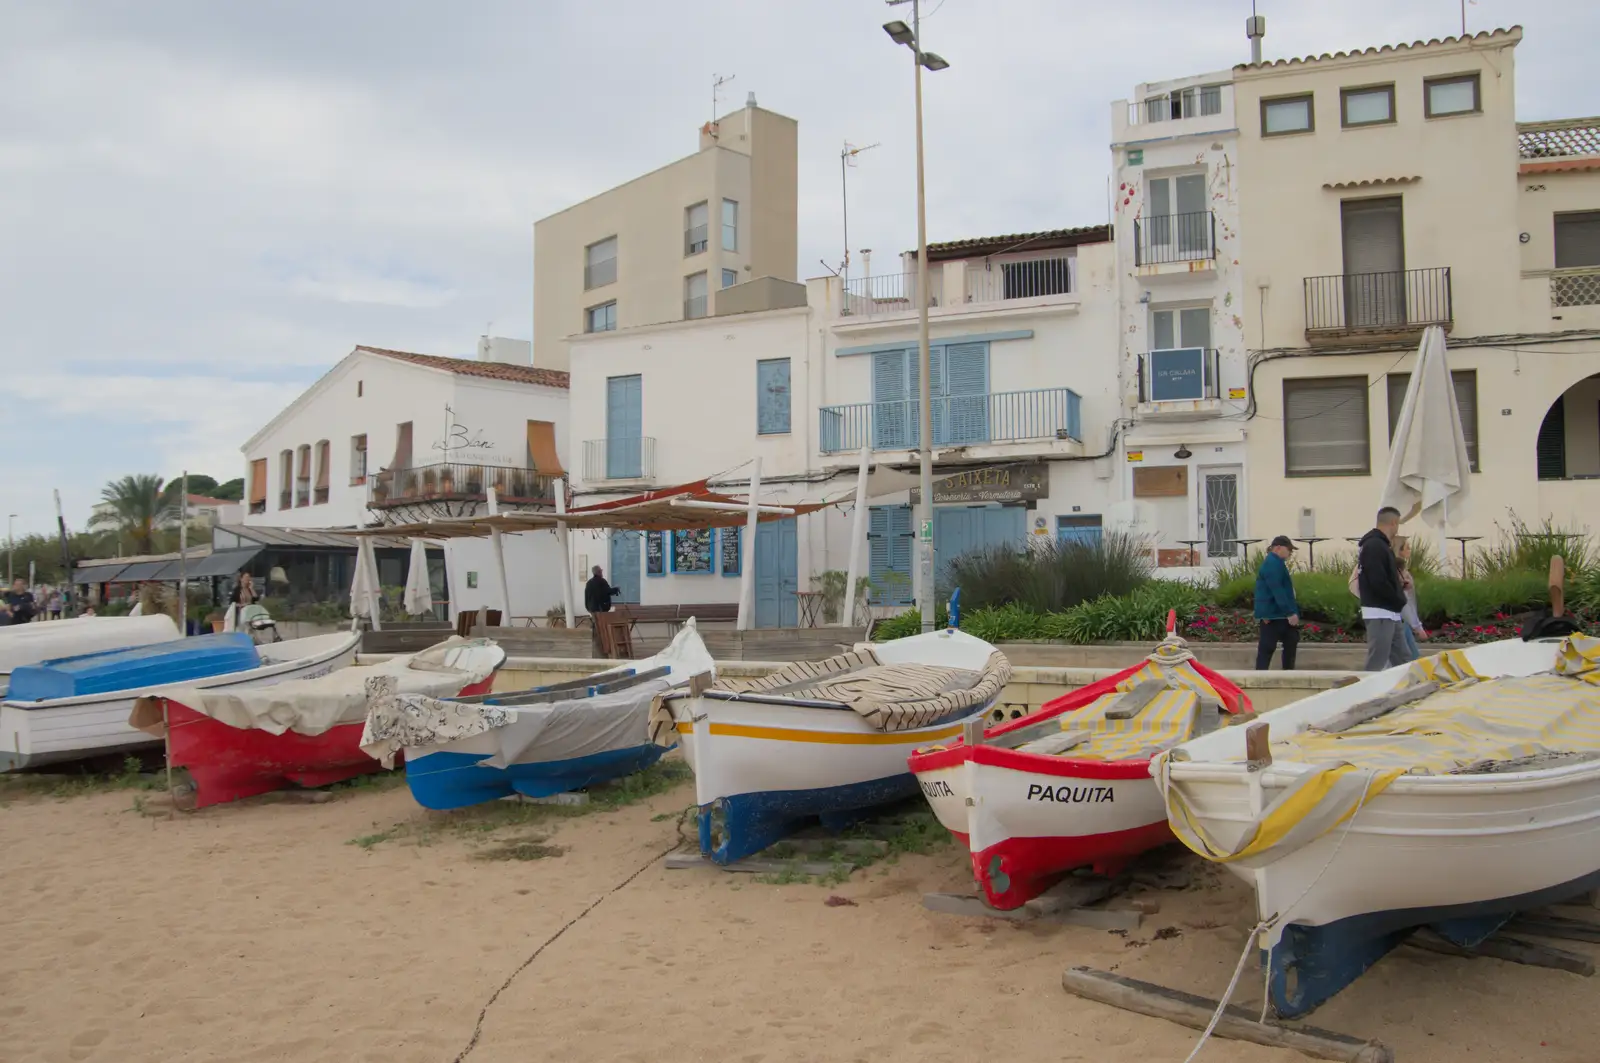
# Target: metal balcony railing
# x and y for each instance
(1576, 286)
(1179, 374)
(693, 307)
(620, 459)
(1377, 302)
(1165, 238)
(958, 420)
(1197, 101)
(1032, 278)
(459, 482)
(599, 274)
(302, 492)
(286, 499)
(695, 240)
(885, 293)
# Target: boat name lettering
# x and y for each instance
(936, 788)
(1071, 795)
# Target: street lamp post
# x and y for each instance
(911, 37)
(11, 548)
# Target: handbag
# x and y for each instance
(1355, 581)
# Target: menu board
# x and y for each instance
(655, 553)
(691, 552)
(731, 558)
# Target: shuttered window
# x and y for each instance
(1466, 385)
(772, 396)
(1578, 239)
(323, 449)
(1551, 447)
(1325, 427)
(889, 554)
(895, 408)
(258, 485)
(958, 384)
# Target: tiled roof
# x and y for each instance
(1566, 138)
(205, 500)
(1560, 166)
(521, 374)
(1040, 241)
(1514, 33)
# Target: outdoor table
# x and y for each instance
(1191, 544)
(1245, 543)
(810, 607)
(1464, 540)
(1311, 542)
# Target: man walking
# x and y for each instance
(19, 604)
(1276, 608)
(597, 595)
(1383, 596)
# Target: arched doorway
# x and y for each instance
(1568, 446)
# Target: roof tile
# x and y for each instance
(1485, 35)
(1039, 241)
(521, 374)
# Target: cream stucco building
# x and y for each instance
(1383, 191)
(664, 245)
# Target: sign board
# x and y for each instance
(655, 553)
(1236, 393)
(731, 560)
(1178, 375)
(1135, 156)
(927, 527)
(1161, 481)
(1135, 455)
(1020, 482)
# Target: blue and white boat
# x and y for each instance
(538, 742)
(1451, 793)
(76, 707)
(824, 739)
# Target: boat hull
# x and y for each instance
(457, 778)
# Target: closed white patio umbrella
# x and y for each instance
(418, 596)
(1429, 470)
(364, 588)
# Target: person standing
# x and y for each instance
(1411, 631)
(1382, 593)
(19, 604)
(1276, 608)
(597, 596)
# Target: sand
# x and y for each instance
(259, 932)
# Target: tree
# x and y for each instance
(136, 507)
(199, 484)
(232, 491)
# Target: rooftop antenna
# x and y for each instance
(717, 81)
(847, 159)
(1255, 28)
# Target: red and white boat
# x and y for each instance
(242, 742)
(1069, 786)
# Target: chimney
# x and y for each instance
(750, 100)
(1255, 28)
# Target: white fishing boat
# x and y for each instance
(824, 739)
(24, 644)
(537, 742)
(48, 730)
(1450, 793)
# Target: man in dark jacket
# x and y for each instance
(1383, 596)
(597, 595)
(1276, 607)
(19, 605)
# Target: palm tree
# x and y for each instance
(136, 509)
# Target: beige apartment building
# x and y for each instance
(1386, 190)
(660, 247)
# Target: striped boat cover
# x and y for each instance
(1473, 720)
(890, 697)
(1168, 719)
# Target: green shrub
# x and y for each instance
(1583, 592)
(1480, 598)
(1519, 547)
(1133, 617)
(1047, 576)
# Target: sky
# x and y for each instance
(204, 206)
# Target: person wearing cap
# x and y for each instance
(1276, 608)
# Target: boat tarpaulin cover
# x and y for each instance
(313, 706)
(22, 644)
(1167, 719)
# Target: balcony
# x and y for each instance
(459, 484)
(1187, 241)
(694, 306)
(958, 421)
(1031, 278)
(1577, 286)
(1395, 303)
(1179, 384)
(1179, 112)
(695, 240)
(887, 293)
(619, 459)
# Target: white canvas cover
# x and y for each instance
(22, 644)
(313, 706)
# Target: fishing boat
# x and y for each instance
(824, 739)
(78, 707)
(538, 742)
(241, 741)
(1449, 793)
(22, 644)
(1068, 786)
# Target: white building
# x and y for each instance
(1175, 184)
(401, 436)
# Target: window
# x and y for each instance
(730, 225)
(1466, 385)
(1577, 239)
(359, 388)
(694, 296)
(1288, 114)
(358, 459)
(286, 479)
(1455, 95)
(696, 229)
(1325, 427)
(1178, 367)
(1550, 448)
(1186, 103)
(324, 459)
(1371, 105)
(1171, 329)
(600, 263)
(602, 318)
(258, 485)
(730, 277)
(772, 396)
(889, 535)
(1176, 226)
(302, 480)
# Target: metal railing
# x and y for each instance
(958, 420)
(1197, 101)
(1031, 278)
(458, 482)
(599, 274)
(1576, 286)
(620, 459)
(302, 492)
(693, 307)
(258, 506)
(886, 293)
(696, 238)
(1401, 299)
(319, 496)
(286, 499)
(1174, 238)
(1179, 374)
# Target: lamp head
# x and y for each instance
(898, 32)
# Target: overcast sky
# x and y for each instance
(204, 204)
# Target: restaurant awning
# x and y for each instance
(223, 562)
(138, 572)
(98, 573)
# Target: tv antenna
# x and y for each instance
(847, 161)
(717, 81)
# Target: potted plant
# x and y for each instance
(216, 621)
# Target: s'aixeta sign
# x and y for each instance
(1015, 482)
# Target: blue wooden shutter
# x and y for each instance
(889, 554)
(772, 396)
(890, 426)
(624, 427)
(966, 383)
(900, 553)
(877, 549)
(936, 393)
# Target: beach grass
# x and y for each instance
(130, 775)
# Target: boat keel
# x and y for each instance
(732, 828)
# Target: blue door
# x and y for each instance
(777, 574)
(963, 382)
(959, 530)
(624, 572)
(1078, 529)
(624, 427)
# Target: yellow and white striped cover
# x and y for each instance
(1168, 719)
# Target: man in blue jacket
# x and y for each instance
(1276, 608)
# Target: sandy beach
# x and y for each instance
(365, 929)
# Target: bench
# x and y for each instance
(673, 616)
